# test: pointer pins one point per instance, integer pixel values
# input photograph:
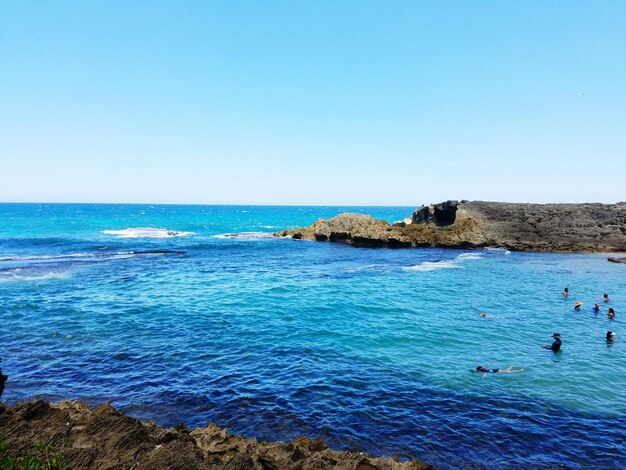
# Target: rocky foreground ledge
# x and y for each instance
(465, 224)
(102, 438)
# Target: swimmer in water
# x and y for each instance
(606, 297)
(577, 305)
(610, 336)
(611, 313)
(596, 308)
(508, 370)
(484, 315)
(566, 292)
(556, 346)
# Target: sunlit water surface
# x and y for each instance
(369, 349)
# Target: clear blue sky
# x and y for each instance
(316, 102)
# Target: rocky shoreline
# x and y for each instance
(103, 438)
(512, 226)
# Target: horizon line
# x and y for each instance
(296, 205)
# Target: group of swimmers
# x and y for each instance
(610, 335)
(556, 344)
(596, 306)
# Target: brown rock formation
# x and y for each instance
(102, 438)
(521, 227)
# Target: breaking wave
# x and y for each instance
(454, 263)
(31, 274)
(90, 256)
(146, 233)
(432, 266)
(468, 256)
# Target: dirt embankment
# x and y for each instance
(102, 438)
(453, 224)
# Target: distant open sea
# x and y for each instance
(369, 349)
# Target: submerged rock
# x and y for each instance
(104, 438)
(521, 227)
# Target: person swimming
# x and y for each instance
(566, 292)
(508, 370)
(484, 369)
(484, 315)
(610, 336)
(577, 305)
(556, 345)
(596, 308)
(611, 313)
(606, 297)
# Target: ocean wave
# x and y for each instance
(47, 257)
(368, 267)
(146, 233)
(468, 256)
(27, 274)
(454, 263)
(495, 250)
(38, 268)
(90, 256)
(246, 235)
(431, 266)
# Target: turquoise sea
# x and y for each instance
(369, 349)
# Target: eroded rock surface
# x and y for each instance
(102, 438)
(522, 227)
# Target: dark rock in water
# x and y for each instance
(421, 215)
(395, 243)
(442, 214)
(3, 379)
(520, 227)
(339, 236)
(445, 213)
(368, 242)
(617, 260)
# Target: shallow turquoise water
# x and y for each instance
(370, 349)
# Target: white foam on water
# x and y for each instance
(367, 267)
(454, 263)
(431, 266)
(47, 257)
(146, 233)
(494, 250)
(100, 256)
(468, 256)
(16, 275)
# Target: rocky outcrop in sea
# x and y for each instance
(103, 438)
(465, 224)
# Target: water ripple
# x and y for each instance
(274, 339)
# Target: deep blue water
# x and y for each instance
(370, 349)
